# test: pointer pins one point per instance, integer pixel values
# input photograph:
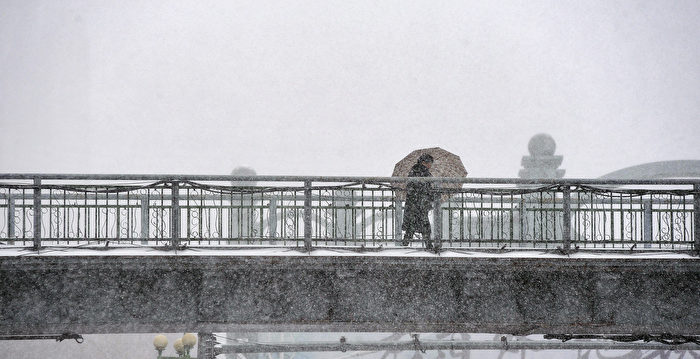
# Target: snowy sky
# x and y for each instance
(344, 87)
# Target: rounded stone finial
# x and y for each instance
(541, 144)
(243, 171)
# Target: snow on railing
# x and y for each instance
(298, 211)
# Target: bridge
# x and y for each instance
(158, 253)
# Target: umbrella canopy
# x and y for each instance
(445, 164)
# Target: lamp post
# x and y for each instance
(182, 346)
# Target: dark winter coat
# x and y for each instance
(419, 200)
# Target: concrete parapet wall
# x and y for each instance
(111, 294)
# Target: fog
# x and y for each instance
(344, 88)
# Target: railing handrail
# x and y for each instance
(353, 179)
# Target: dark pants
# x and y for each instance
(426, 238)
(417, 222)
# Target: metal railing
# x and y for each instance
(307, 212)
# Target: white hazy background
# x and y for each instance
(344, 87)
(341, 87)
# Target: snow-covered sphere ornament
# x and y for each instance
(541, 144)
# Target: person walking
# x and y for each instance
(419, 201)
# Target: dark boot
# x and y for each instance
(406, 239)
(428, 242)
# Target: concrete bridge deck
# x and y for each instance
(281, 289)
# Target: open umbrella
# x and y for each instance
(446, 164)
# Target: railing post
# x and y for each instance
(272, 219)
(522, 221)
(175, 214)
(696, 215)
(566, 204)
(37, 213)
(145, 219)
(205, 346)
(398, 220)
(341, 205)
(437, 223)
(307, 215)
(10, 219)
(648, 227)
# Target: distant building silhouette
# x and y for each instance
(661, 169)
